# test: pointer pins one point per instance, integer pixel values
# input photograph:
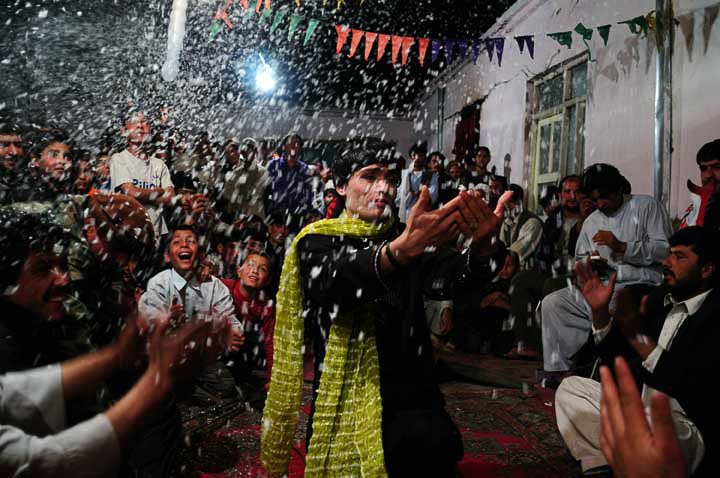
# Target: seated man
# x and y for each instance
(34, 437)
(672, 351)
(522, 230)
(357, 286)
(256, 314)
(178, 294)
(628, 233)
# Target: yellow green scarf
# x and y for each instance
(347, 424)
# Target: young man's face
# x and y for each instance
(137, 130)
(454, 171)
(682, 273)
(55, 160)
(482, 158)
(607, 202)
(102, 167)
(11, 150)
(435, 163)
(278, 232)
(570, 195)
(710, 174)
(293, 150)
(509, 268)
(254, 272)
(183, 251)
(497, 188)
(232, 153)
(328, 198)
(370, 192)
(230, 251)
(418, 158)
(42, 286)
(83, 177)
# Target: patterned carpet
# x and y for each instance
(506, 433)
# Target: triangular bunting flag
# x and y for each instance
(356, 37)
(312, 25)
(383, 40)
(563, 38)
(637, 25)
(369, 40)
(476, 51)
(604, 32)
(342, 32)
(222, 14)
(407, 43)
(294, 21)
(526, 40)
(490, 47)
(462, 48)
(499, 48)
(709, 18)
(278, 18)
(248, 15)
(244, 4)
(586, 34)
(687, 27)
(265, 16)
(396, 44)
(214, 30)
(422, 46)
(258, 6)
(434, 50)
(449, 46)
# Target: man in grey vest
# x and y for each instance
(521, 230)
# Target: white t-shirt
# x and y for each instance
(143, 174)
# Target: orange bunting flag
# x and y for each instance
(383, 40)
(342, 32)
(259, 5)
(356, 37)
(423, 44)
(407, 43)
(369, 40)
(396, 44)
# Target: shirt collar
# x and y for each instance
(692, 304)
(179, 281)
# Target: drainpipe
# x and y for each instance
(663, 100)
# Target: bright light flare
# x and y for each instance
(265, 79)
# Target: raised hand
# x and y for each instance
(596, 293)
(632, 447)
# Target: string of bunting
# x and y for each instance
(402, 45)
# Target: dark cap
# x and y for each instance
(709, 151)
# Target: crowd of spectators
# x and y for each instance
(108, 253)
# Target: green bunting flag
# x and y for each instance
(604, 32)
(637, 25)
(563, 38)
(214, 30)
(278, 18)
(312, 25)
(294, 20)
(586, 34)
(264, 17)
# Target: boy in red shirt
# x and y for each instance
(255, 312)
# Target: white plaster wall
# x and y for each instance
(620, 113)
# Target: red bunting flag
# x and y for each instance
(244, 4)
(423, 44)
(407, 43)
(356, 37)
(383, 40)
(369, 40)
(222, 15)
(342, 32)
(396, 44)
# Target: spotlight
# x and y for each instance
(265, 79)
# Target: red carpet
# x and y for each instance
(506, 434)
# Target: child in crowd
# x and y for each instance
(178, 293)
(256, 314)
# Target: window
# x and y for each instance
(557, 107)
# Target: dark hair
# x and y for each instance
(364, 154)
(502, 179)
(477, 150)
(263, 253)
(42, 140)
(550, 192)
(469, 160)
(418, 147)
(23, 234)
(518, 193)
(604, 178)
(709, 151)
(183, 180)
(570, 177)
(182, 227)
(703, 241)
(438, 154)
